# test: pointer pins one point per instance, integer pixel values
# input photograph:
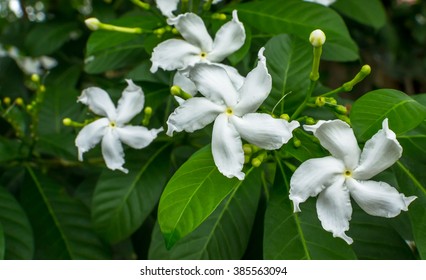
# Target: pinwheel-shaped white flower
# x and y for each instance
(112, 129)
(168, 6)
(198, 46)
(232, 111)
(346, 174)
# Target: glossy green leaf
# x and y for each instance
(2, 243)
(414, 143)
(45, 38)
(375, 239)
(61, 224)
(309, 148)
(59, 103)
(299, 236)
(141, 73)
(289, 61)
(18, 235)
(9, 149)
(411, 179)
(192, 194)
(121, 202)
(368, 12)
(224, 234)
(368, 112)
(108, 50)
(300, 19)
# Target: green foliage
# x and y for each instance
(174, 203)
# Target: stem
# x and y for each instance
(305, 102)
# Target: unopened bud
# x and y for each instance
(92, 23)
(340, 109)
(7, 101)
(317, 38)
(296, 142)
(35, 78)
(219, 16)
(19, 101)
(67, 121)
(247, 149)
(320, 101)
(256, 162)
(285, 117)
(366, 70)
(147, 116)
(310, 121)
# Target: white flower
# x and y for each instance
(232, 111)
(346, 174)
(198, 46)
(168, 6)
(181, 80)
(322, 2)
(112, 129)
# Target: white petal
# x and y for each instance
(213, 82)
(193, 30)
(174, 54)
(379, 153)
(378, 198)
(112, 150)
(263, 130)
(313, 176)
(236, 79)
(130, 104)
(193, 114)
(335, 210)
(227, 148)
(137, 137)
(256, 88)
(184, 83)
(339, 139)
(98, 101)
(322, 2)
(167, 6)
(229, 38)
(90, 135)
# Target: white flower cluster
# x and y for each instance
(230, 101)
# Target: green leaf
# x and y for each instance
(376, 239)
(61, 224)
(59, 103)
(289, 61)
(413, 183)
(141, 73)
(17, 231)
(368, 12)
(309, 148)
(414, 143)
(10, 149)
(108, 50)
(368, 112)
(192, 194)
(121, 202)
(300, 19)
(299, 236)
(229, 224)
(2, 243)
(45, 38)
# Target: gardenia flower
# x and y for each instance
(232, 111)
(168, 6)
(322, 2)
(198, 46)
(346, 173)
(112, 129)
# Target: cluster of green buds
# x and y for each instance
(162, 30)
(254, 155)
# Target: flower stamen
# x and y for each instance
(203, 55)
(348, 173)
(112, 124)
(229, 111)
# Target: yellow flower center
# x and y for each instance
(112, 124)
(348, 173)
(229, 111)
(203, 55)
